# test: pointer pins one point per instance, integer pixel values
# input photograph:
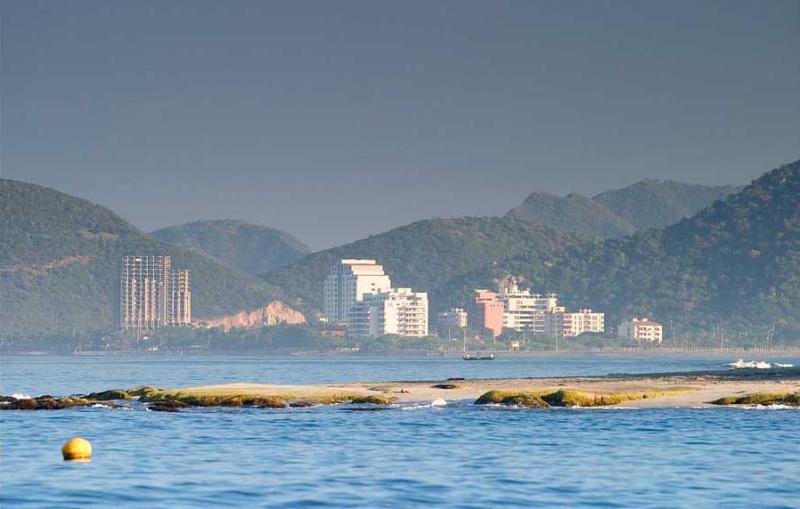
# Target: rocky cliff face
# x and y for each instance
(274, 313)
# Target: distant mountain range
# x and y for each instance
(732, 267)
(626, 252)
(250, 248)
(59, 265)
(645, 204)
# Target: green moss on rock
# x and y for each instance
(566, 397)
(374, 400)
(109, 395)
(762, 398)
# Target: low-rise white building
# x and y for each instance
(561, 323)
(400, 311)
(641, 330)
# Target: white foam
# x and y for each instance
(741, 364)
(438, 402)
(19, 395)
(771, 407)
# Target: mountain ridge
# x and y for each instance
(251, 248)
(645, 204)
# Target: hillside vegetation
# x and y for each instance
(646, 204)
(250, 248)
(735, 265)
(59, 265)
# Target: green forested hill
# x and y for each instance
(250, 248)
(59, 265)
(735, 265)
(573, 212)
(424, 255)
(643, 205)
(656, 204)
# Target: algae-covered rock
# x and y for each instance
(512, 398)
(762, 398)
(109, 395)
(142, 390)
(302, 403)
(526, 400)
(567, 397)
(373, 400)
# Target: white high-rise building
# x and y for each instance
(152, 294)
(400, 311)
(523, 309)
(348, 282)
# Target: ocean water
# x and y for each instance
(415, 455)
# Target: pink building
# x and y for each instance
(485, 311)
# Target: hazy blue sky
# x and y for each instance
(334, 120)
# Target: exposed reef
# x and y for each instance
(569, 397)
(762, 398)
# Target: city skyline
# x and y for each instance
(272, 113)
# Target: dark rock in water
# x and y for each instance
(301, 403)
(43, 403)
(167, 406)
(444, 386)
(455, 378)
(109, 395)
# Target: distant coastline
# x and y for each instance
(788, 350)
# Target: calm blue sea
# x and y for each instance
(412, 456)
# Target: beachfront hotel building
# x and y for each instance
(399, 311)
(485, 312)
(523, 309)
(153, 294)
(347, 283)
(561, 323)
(641, 330)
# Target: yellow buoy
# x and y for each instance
(77, 449)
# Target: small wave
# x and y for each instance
(20, 395)
(742, 364)
(437, 403)
(100, 405)
(771, 407)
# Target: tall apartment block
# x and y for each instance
(347, 283)
(153, 294)
(485, 311)
(400, 311)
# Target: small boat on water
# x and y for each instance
(478, 356)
